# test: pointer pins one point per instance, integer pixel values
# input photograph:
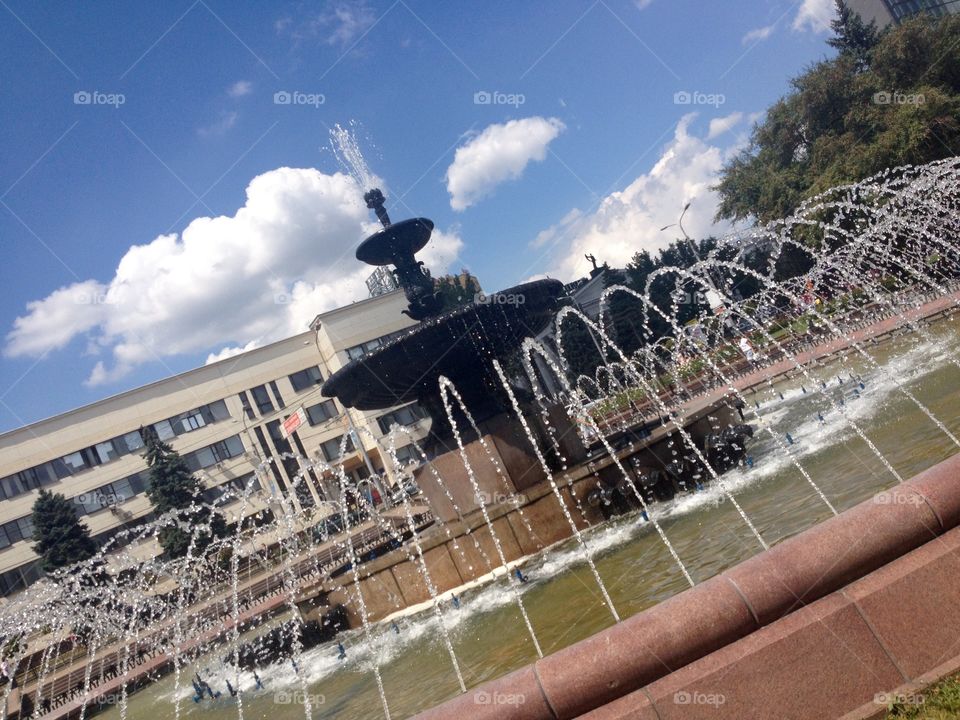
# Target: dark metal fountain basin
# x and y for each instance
(459, 344)
(404, 238)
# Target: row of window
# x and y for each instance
(113, 493)
(122, 490)
(238, 487)
(192, 420)
(300, 381)
(212, 454)
(358, 351)
(108, 450)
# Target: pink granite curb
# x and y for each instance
(756, 598)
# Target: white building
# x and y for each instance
(887, 12)
(224, 418)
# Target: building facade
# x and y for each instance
(889, 12)
(226, 420)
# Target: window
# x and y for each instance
(232, 489)
(408, 454)
(358, 351)
(262, 399)
(139, 482)
(402, 416)
(305, 378)
(218, 411)
(276, 394)
(331, 448)
(164, 430)
(321, 412)
(106, 451)
(16, 530)
(128, 443)
(188, 421)
(245, 402)
(59, 468)
(229, 448)
(212, 454)
(122, 490)
(201, 458)
(279, 441)
(80, 460)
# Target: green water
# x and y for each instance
(562, 599)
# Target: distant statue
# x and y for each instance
(593, 261)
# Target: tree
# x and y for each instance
(885, 100)
(62, 540)
(852, 36)
(174, 488)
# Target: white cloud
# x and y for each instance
(341, 23)
(499, 153)
(632, 219)
(758, 34)
(720, 125)
(642, 4)
(240, 88)
(815, 15)
(227, 120)
(259, 275)
(231, 351)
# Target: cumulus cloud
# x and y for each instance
(757, 35)
(254, 277)
(500, 153)
(815, 15)
(633, 219)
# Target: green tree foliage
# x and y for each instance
(62, 540)
(173, 487)
(887, 99)
(851, 36)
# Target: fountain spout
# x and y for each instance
(375, 200)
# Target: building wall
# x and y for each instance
(269, 367)
(885, 12)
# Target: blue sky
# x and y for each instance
(529, 132)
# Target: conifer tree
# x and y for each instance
(62, 540)
(174, 488)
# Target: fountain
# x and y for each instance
(606, 529)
